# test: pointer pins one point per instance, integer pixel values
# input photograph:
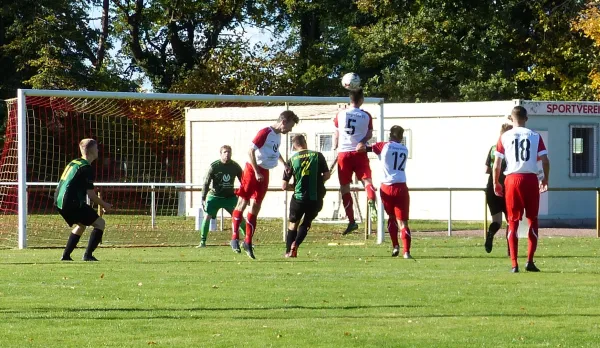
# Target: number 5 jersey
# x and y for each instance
(352, 125)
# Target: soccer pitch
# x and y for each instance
(452, 295)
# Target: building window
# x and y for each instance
(324, 145)
(583, 150)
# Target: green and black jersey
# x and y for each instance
(223, 177)
(75, 180)
(490, 163)
(307, 169)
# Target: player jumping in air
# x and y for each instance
(394, 192)
(354, 127)
(310, 172)
(76, 183)
(222, 174)
(263, 155)
(521, 148)
(496, 204)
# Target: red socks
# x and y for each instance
(406, 239)
(532, 238)
(348, 206)
(236, 220)
(250, 228)
(370, 192)
(513, 241)
(393, 229)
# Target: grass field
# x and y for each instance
(452, 295)
(52, 231)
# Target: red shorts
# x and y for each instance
(396, 200)
(349, 163)
(522, 192)
(252, 189)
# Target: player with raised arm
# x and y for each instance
(394, 192)
(520, 148)
(310, 172)
(76, 183)
(496, 204)
(263, 155)
(222, 174)
(354, 128)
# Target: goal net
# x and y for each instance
(154, 153)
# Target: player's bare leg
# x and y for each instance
(491, 232)
(236, 219)
(251, 228)
(72, 242)
(95, 239)
(349, 208)
(371, 197)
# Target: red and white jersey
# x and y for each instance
(520, 147)
(393, 156)
(352, 125)
(266, 148)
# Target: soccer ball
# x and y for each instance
(351, 81)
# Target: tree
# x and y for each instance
(473, 50)
(588, 23)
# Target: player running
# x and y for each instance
(521, 148)
(496, 204)
(76, 183)
(394, 192)
(310, 172)
(263, 155)
(222, 174)
(354, 127)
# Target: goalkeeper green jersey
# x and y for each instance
(75, 180)
(307, 169)
(222, 175)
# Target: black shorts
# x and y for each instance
(308, 209)
(84, 215)
(495, 203)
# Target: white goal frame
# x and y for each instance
(22, 134)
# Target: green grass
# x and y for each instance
(52, 231)
(452, 295)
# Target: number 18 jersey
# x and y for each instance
(352, 125)
(393, 158)
(520, 147)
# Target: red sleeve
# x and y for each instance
(500, 147)
(542, 147)
(370, 120)
(261, 137)
(335, 121)
(378, 147)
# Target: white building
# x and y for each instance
(448, 144)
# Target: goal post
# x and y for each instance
(146, 163)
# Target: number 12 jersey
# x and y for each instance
(393, 158)
(521, 147)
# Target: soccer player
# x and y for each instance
(520, 148)
(354, 127)
(263, 155)
(394, 192)
(222, 174)
(496, 204)
(310, 172)
(77, 182)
